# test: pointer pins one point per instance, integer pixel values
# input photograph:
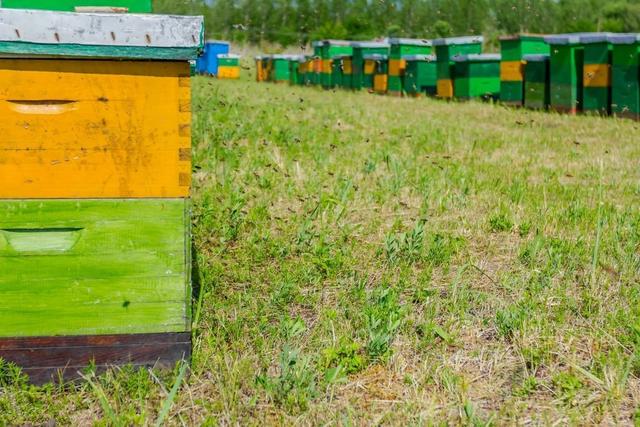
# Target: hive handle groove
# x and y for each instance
(42, 240)
(43, 106)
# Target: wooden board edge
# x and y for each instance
(54, 359)
(41, 50)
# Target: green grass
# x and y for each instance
(371, 260)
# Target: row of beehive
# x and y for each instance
(216, 60)
(94, 206)
(587, 72)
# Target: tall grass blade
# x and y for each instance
(168, 402)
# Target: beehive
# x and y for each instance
(360, 78)
(536, 85)
(513, 49)
(207, 63)
(477, 76)
(261, 69)
(279, 70)
(133, 6)
(399, 49)
(421, 75)
(228, 66)
(625, 84)
(314, 66)
(377, 67)
(316, 77)
(296, 70)
(446, 50)
(596, 91)
(566, 72)
(94, 224)
(338, 75)
(306, 68)
(331, 49)
(347, 72)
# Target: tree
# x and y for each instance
(621, 17)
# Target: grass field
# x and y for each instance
(366, 260)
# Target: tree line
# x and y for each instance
(296, 22)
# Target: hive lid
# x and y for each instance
(428, 58)
(595, 38)
(375, 56)
(459, 40)
(628, 38)
(370, 45)
(29, 33)
(288, 57)
(539, 57)
(213, 41)
(475, 57)
(228, 56)
(336, 42)
(341, 56)
(410, 42)
(568, 39)
(523, 36)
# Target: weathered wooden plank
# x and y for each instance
(45, 359)
(94, 129)
(82, 267)
(30, 32)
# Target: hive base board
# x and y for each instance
(572, 111)
(515, 104)
(49, 359)
(628, 115)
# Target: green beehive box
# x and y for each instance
(133, 6)
(399, 49)
(280, 71)
(331, 49)
(625, 84)
(536, 85)
(566, 68)
(596, 95)
(338, 77)
(421, 75)
(296, 77)
(316, 77)
(446, 50)
(513, 49)
(477, 76)
(360, 79)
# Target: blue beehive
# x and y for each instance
(208, 62)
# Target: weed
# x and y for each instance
(295, 385)
(405, 246)
(384, 317)
(347, 358)
(500, 222)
